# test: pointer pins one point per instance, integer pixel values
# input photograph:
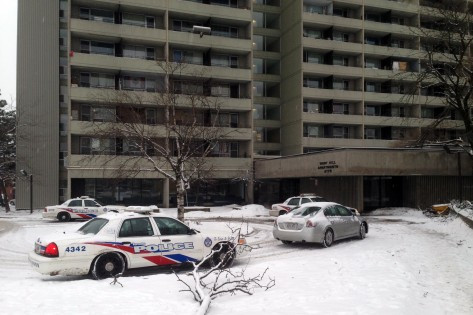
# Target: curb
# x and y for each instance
(465, 219)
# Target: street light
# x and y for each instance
(30, 176)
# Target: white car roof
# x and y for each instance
(130, 214)
(321, 204)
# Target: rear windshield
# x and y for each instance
(93, 226)
(306, 211)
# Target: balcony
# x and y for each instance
(395, 6)
(224, 44)
(82, 94)
(338, 119)
(348, 48)
(207, 10)
(101, 166)
(392, 51)
(84, 28)
(339, 71)
(326, 94)
(321, 20)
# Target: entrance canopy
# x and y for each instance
(365, 162)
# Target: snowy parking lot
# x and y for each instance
(408, 264)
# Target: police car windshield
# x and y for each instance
(93, 226)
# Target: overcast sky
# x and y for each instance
(8, 11)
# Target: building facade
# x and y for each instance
(293, 77)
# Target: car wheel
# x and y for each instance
(362, 232)
(108, 265)
(64, 217)
(223, 255)
(328, 238)
(282, 212)
(287, 242)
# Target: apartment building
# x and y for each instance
(294, 77)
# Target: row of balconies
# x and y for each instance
(117, 32)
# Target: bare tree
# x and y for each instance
(7, 149)
(447, 64)
(175, 143)
(208, 284)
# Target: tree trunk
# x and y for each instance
(180, 199)
(3, 192)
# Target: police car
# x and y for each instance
(114, 242)
(78, 208)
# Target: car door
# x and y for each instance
(305, 200)
(91, 207)
(179, 243)
(351, 224)
(332, 215)
(75, 208)
(138, 239)
(293, 202)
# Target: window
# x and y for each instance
(75, 203)
(97, 80)
(150, 114)
(97, 15)
(85, 112)
(224, 61)
(312, 83)
(93, 226)
(293, 202)
(90, 203)
(317, 34)
(140, 52)
(138, 20)
(136, 227)
(305, 200)
(85, 145)
(185, 56)
(341, 109)
(99, 48)
(331, 211)
(225, 31)
(306, 211)
(341, 85)
(340, 132)
(311, 107)
(312, 131)
(222, 90)
(313, 57)
(344, 211)
(168, 226)
(184, 26)
(340, 61)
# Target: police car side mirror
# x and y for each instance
(192, 232)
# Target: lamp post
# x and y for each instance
(30, 176)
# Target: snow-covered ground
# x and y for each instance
(408, 264)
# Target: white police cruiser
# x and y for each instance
(78, 208)
(114, 242)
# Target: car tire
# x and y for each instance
(362, 231)
(108, 265)
(224, 254)
(287, 242)
(282, 212)
(328, 238)
(64, 217)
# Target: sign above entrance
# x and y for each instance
(327, 166)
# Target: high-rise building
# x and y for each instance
(293, 76)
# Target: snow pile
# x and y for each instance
(396, 212)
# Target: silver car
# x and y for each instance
(319, 222)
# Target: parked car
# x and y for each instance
(319, 222)
(78, 208)
(290, 203)
(111, 243)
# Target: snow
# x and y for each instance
(408, 264)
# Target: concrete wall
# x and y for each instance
(38, 101)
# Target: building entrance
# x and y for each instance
(382, 191)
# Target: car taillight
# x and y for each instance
(309, 224)
(51, 250)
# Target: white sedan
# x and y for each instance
(290, 203)
(78, 208)
(319, 222)
(108, 245)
